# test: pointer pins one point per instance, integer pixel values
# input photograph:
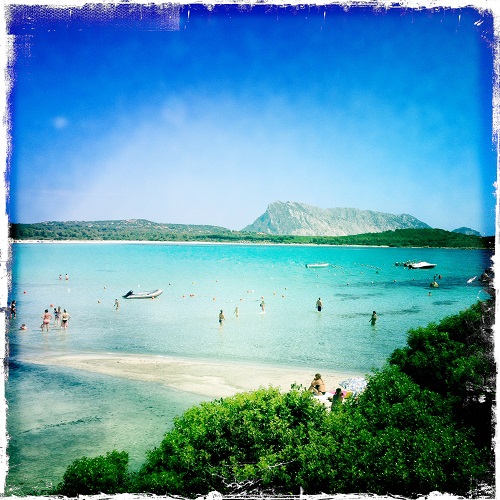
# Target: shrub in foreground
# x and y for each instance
(402, 439)
(251, 440)
(455, 358)
(91, 476)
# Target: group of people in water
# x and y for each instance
(61, 319)
(319, 307)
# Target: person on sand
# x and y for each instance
(337, 398)
(317, 386)
(373, 319)
(65, 319)
(319, 304)
(221, 318)
(46, 317)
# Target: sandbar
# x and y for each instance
(205, 378)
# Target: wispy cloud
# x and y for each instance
(60, 122)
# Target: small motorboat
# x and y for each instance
(142, 295)
(318, 264)
(421, 265)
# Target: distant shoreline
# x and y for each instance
(172, 242)
(232, 243)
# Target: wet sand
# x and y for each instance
(211, 379)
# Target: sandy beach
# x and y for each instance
(209, 379)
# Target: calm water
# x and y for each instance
(56, 415)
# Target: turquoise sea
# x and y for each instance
(56, 415)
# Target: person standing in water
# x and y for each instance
(117, 305)
(373, 319)
(46, 317)
(263, 305)
(221, 319)
(64, 319)
(57, 316)
(13, 310)
(237, 312)
(319, 304)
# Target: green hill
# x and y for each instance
(143, 230)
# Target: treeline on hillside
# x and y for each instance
(424, 423)
(141, 230)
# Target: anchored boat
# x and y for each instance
(421, 265)
(318, 264)
(142, 295)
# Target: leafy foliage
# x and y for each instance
(455, 358)
(90, 476)
(256, 439)
(403, 439)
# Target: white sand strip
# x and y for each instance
(214, 380)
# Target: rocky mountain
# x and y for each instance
(292, 218)
(467, 230)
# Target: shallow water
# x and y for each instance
(57, 415)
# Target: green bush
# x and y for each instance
(254, 439)
(401, 438)
(90, 476)
(455, 358)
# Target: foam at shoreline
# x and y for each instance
(211, 379)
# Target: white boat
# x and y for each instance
(142, 295)
(421, 265)
(318, 264)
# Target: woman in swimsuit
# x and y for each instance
(317, 385)
(46, 317)
(64, 320)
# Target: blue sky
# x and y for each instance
(116, 116)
